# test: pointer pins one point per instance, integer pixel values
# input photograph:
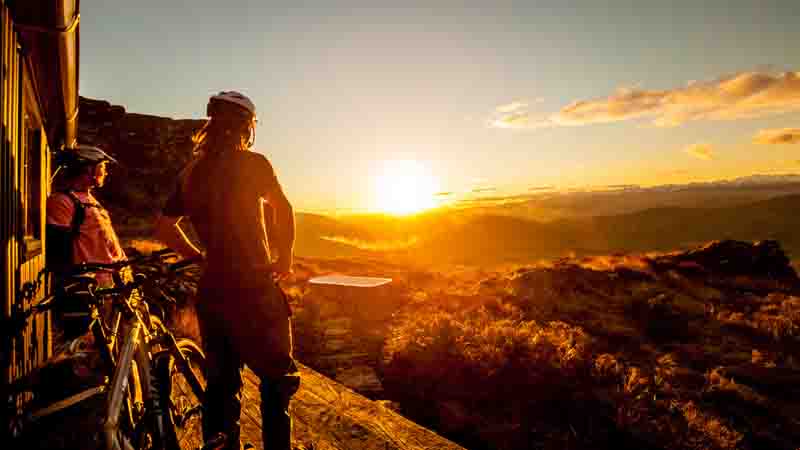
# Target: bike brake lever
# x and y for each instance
(215, 443)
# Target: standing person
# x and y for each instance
(78, 227)
(244, 315)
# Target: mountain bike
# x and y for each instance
(133, 349)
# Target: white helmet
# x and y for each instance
(229, 97)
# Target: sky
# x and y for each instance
(488, 97)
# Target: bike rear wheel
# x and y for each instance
(183, 413)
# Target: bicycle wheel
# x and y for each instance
(183, 413)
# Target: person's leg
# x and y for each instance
(223, 402)
(277, 390)
(269, 355)
(275, 417)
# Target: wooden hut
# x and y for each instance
(38, 113)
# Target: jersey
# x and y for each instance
(95, 240)
(223, 196)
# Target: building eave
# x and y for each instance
(49, 32)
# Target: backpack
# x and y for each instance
(59, 241)
(78, 216)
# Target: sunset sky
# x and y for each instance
(495, 97)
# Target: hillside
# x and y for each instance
(464, 237)
(687, 350)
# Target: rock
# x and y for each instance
(765, 259)
(141, 143)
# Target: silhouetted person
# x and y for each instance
(244, 315)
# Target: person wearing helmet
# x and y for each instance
(244, 315)
(78, 227)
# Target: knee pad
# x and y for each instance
(280, 390)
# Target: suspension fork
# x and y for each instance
(119, 385)
(103, 344)
(134, 349)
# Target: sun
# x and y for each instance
(405, 187)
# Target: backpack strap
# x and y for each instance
(79, 215)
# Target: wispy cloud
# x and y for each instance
(540, 188)
(700, 151)
(517, 114)
(372, 245)
(479, 190)
(740, 95)
(623, 187)
(443, 194)
(778, 136)
(673, 173)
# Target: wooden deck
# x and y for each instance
(333, 417)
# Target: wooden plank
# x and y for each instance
(333, 417)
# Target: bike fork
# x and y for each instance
(133, 348)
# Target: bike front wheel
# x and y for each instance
(183, 404)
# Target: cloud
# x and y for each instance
(373, 245)
(517, 114)
(675, 172)
(541, 188)
(778, 136)
(740, 95)
(511, 107)
(483, 189)
(700, 151)
(623, 187)
(443, 194)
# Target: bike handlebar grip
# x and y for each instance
(183, 264)
(163, 252)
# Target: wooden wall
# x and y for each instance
(19, 265)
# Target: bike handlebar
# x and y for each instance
(126, 288)
(94, 267)
(182, 264)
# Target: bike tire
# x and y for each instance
(182, 408)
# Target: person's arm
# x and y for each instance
(284, 228)
(283, 233)
(168, 230)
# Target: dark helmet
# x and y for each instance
(82, 155)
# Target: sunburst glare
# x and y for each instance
(405, 187)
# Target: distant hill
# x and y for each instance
(548, 206)
(467, 237)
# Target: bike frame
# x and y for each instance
(142, 336)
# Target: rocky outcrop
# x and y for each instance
(764, 260)
(151, 150)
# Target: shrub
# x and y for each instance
(476, 355)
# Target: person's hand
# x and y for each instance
(281, 268)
